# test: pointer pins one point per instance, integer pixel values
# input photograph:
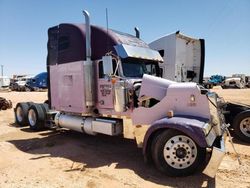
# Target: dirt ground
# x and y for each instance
(70, 159)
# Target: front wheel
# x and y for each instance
(241, 125)
(176, 154)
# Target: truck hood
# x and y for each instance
(154, 86)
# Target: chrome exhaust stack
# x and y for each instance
(88, 67)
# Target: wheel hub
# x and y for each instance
(32, 117)
(180, 152)
(19, 114)
(245, 126)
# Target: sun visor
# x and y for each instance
(125, 51)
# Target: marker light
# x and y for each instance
(192, 98)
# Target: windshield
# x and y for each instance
(138, 68)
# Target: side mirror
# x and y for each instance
(107, 65)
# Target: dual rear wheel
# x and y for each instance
(31, 114)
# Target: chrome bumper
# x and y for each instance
(216, 159)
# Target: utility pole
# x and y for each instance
(2, 70)
(2, 76)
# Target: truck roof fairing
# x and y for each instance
(67, 44)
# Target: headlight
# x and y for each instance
(206, 128)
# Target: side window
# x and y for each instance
(63, 43)
(100, 67)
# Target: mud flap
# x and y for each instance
(215, 160)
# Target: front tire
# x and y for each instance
(176, 154)
(241, 126)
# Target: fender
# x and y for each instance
(189, 125)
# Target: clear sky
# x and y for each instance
(224, 24)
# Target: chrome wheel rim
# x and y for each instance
(19, 114)
(180, 152)
(32, 117)
(245, 126)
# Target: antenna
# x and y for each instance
(2, 76)
(107, 19)
(107, 25)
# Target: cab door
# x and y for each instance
(105, 96)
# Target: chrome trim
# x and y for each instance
(216, 159)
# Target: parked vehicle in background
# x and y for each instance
(238, 116)
(236, 81)
(214, 80)
(183, 56)
(247, 81)
(4, 81)
(37, 82)
(110, 86)
(19, 83)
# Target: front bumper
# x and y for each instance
(216, 158)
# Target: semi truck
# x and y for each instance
(184, 57)
(101, 81)
(37, 82)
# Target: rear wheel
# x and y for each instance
(241, 125)
(176, 154)
(21, 113)
(37, 117)
(27, 89)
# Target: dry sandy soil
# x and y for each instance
(70, 159)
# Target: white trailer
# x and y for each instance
(4, 81)
(183, 57)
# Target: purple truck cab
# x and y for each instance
(101, 81)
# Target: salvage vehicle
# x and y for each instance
(236, 81)
(214, 80)
(19, 84)
(110, 86)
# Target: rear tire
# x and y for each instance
(37, 117)
(176, 154)
(21, 113)
(241, 126)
